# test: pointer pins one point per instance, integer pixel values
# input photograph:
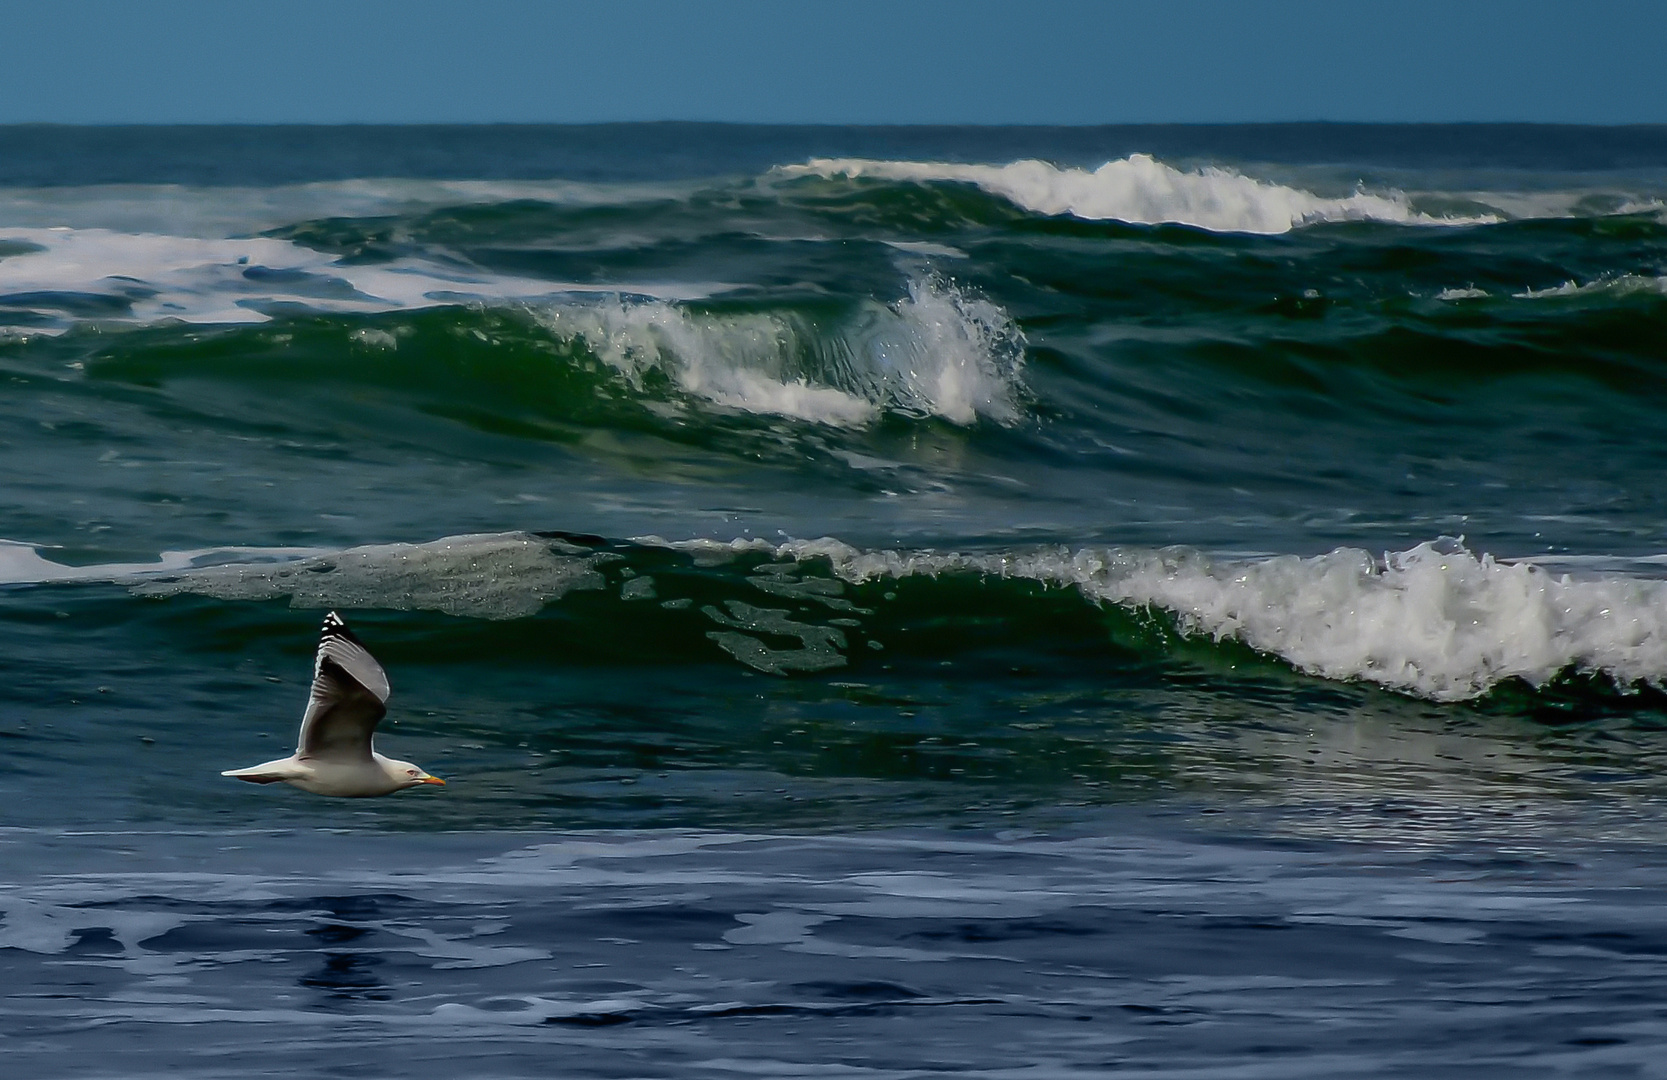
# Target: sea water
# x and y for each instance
(1016, 602)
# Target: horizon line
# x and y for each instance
(888, 125)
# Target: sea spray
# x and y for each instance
(936, 352)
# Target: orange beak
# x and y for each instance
(433, 780)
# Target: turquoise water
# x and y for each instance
(1186, 600)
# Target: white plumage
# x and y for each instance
(334, 755)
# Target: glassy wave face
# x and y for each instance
(879, 500)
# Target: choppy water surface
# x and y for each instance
(1171, 601)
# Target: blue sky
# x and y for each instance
(832, 61)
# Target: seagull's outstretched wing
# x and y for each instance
(348, 696)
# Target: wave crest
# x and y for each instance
(1436, 620)
(1141, 190)
(936, 352)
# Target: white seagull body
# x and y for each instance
(333, 755)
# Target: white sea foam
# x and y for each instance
(1142, 190)
(145, 278)
(487, 576)
(23, 564)
(936, 352)
(1436, 620)
(484, 576)
(1615, 285)
(1620, 284)
(1604, 200)
(218, 212)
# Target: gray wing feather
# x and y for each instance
(338, 643)
(348, 695)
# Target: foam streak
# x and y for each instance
(145, 278)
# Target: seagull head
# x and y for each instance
(408, 775)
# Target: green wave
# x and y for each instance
(655, 685)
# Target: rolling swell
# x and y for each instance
(1341, 415)
(935, 352)
(1436, 621)
(574, 681)
(1077, 366)
(937, 361)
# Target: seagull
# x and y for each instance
(333, 755)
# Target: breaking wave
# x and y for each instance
(1143, 190)
(936, 352)
(1436, 621)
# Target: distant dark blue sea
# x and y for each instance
(1022, 603)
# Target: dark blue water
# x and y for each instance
(1180, 601)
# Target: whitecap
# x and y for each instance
(1436, 620)
(1619, 285)
(1142, 190)
(936, 352)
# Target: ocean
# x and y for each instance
(886, 602)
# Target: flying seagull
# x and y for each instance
(333, 755)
